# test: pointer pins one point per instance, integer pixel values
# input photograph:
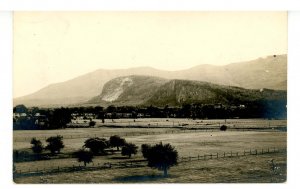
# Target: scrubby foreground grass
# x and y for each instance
(243, 169)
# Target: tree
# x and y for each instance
(96, 145)
(20, 109)
(55, 144)
(59, 118)
(145, 150)
(116, 141)
(129, 149)
(37, 146)
(162, 157)
(84, 155)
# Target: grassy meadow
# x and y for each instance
(243, 169)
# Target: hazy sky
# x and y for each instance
(51, 47)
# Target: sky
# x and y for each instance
(51, 47)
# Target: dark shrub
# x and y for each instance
(96, 145)
(116, 141)
(55, 144)
(84, 155)
(145, 150)
(92, 123)
(223, 128)
(129, 149)
(37, 146)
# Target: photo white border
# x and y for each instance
(90, 5)
(148, 5)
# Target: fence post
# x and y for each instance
(250, 152)
(217, 155)
(237, 154)
(255, 151)
(224, 154)
(210, 156)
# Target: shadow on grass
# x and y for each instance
(140, 178)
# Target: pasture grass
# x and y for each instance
(246, 169)
(243, 169)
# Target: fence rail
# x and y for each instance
(142, 163)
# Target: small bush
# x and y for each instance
(117, 141)
(55, 144)
(129, 149)
(92, 123)
(96, 145)
(145, 150)
(223, 128)
(84, 155)
(37, 146)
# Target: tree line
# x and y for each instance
(54, 118)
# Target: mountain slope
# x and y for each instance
(80, 89)
(146, 91)
(179, 92)
(128, 90)
(269, 72)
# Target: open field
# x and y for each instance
(244, 169)
(186, 142)
(186, 123)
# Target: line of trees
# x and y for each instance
(59, 117)
(159, 156)
(55, 144)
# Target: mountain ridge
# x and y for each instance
(269, 72)
(147, 91)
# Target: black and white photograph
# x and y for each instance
(125, 97)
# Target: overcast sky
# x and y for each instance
(52, 47)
